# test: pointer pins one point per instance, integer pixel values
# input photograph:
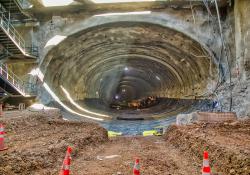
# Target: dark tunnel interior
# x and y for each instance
(135, 70)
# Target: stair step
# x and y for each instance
(6, 39)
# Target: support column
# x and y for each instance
(1, 110)
(242, 43)
(242, 37)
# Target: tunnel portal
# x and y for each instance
(130, 70)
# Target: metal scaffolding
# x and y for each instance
(10, 38)
(20, 87)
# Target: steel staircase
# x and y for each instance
(10, 39)
(12, 85)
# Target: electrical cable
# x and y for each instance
(224, 48)
(226, 54)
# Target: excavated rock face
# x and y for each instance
(127, 61)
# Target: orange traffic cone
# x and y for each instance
(206, 168)
(136, 169)
(2, 147)
(66, 163)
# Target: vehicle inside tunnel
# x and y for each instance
(131, 68)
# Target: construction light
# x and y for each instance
(125, 13)
(34, 72)
(50, 3)
(37, 72)
(119, 1)
(78, 106)
(157, 77)
(55, 97)
(40, 106)
(55, 40)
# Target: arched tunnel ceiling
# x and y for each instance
(131, 60)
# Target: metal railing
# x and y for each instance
(2, 9)
(4, 53)
(10, 77)
(23, 4)
(25, 89)
(6, 25)
(8, 28)
(33, 50)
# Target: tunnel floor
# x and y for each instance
(128, 125)
(163, 108)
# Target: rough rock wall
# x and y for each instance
(242, 13)
(197, 25)
(241, 67)
(200, 20)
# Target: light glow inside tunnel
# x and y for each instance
(65, 106)
(124, 13)
(78, 106)
(121, 1)
(129, 70)
(37, 72)
(55, 40)
(50, 3)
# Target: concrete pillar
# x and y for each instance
(21, 106)
(1, 110)
(242, 37)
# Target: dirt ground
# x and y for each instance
(37, 145)
(227, 143)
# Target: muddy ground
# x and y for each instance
(37, 145)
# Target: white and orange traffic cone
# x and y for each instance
(206, 168)
(66, 163)
(2, 147)
(136, 169)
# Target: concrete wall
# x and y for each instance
(242, 43)
(242, 35)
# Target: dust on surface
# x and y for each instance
(37, 145)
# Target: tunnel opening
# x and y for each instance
(131, 70)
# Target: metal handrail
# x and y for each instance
(8, 27)
(22, 3)
(4, 53)
(14, 80)
(25, 88)
(33, 50)
(3, 10)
